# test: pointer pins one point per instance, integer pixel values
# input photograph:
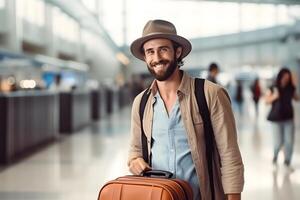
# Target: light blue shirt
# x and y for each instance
(170, 148)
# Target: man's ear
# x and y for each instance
(178, 52)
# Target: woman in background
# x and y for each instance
(282, 115)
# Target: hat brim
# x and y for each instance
(137, 45)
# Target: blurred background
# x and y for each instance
(67, 82)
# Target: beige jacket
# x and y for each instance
(231, 169)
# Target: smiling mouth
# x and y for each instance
(159, 66)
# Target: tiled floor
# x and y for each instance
(75, 167)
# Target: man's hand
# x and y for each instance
(233, 196)
(138, 165)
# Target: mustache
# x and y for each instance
(160, 62)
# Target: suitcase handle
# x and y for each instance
(157, 173)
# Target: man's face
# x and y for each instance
(161, 58)
(285, 79)
(214, 72)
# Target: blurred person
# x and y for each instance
(280, 96)
(256, 94)
(8, 84)
(12, 82)
(58, 86)
(73, 87)
(239, 95)
(213, 71)
(56, 83)
(172, 123)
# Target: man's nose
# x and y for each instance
(157, 57)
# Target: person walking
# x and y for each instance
(256, 94)
(239, 96)
(280, 97)
(213, 71)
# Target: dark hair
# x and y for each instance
(179, 60)
(213, 66)
(58, 78)
(283, 71)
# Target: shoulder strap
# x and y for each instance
(208, 130)
(143, 136)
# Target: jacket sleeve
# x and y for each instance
(223, 123)
(135, 148)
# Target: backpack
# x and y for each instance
(208, 130)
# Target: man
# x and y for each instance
(172, 123)
(213, 71)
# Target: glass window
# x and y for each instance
(255, 16)
(2, 4)
(89, 39)
(194, 19)
(32, 10)
(20, 9)
(90, 4)
(283, 17)
(40, 10)
(294, 12)
(112, 19)
(64, 26)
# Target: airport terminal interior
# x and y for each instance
(68, 81)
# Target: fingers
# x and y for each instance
(135, 168)
(138, 165)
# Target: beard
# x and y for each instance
(162, 76)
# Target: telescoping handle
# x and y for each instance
(157, 173)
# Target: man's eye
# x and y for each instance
(149, 52)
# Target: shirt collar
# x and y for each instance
(183, 87)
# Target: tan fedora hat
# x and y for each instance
(159, 29)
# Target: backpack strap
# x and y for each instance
(143, 136)
(208, 130)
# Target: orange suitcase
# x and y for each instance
(149, 186)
